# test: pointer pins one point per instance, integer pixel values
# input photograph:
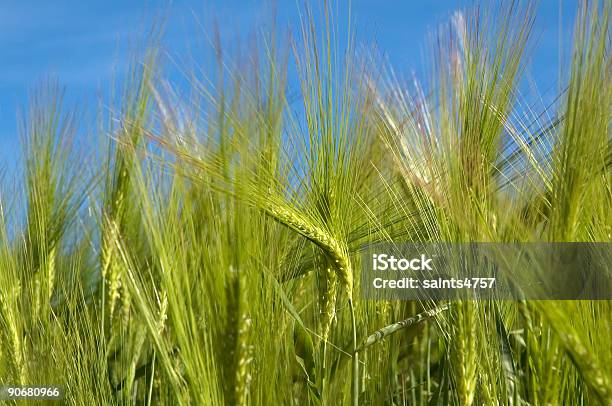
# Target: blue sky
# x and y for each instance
(83, 43)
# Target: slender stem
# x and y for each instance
(324, 370)
(152, 378)
(355, 383)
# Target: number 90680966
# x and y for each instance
(21, 392)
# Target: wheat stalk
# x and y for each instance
(386, 331)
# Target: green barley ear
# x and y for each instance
(120, 217)
(111, 264)
(163, 313)
(11, 348)
(47, 134)
(580, 180)
(114, 289)
(243, 346)
(579, 344)
(239, 330)
(463, 350)
(12, 331)
(336, 250)
(328, 297)
(113, 272)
